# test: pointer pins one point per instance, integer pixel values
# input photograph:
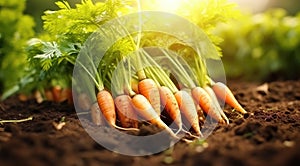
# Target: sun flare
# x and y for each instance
(169, 5)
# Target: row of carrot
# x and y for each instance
(140, 89)
(127, 108)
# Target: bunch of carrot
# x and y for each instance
(138, 86)
(140, 89)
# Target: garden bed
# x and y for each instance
(268, 135)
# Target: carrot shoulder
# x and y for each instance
(225, 94)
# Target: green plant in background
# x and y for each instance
(262, 46)
(52, 55)
(15, 29)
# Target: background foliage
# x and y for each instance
(256, 46)
(264, 46)
(15, 29)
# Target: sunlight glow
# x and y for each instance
(169, 5)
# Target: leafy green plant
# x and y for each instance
(52, 55)
(262, 46)
(15, 29)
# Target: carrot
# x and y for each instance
(187, 107)
(48, 95)
(149, 89)
(95, 114)
(107, 107)
(84, 101)
(66, 94)
(168, 100)
(38, 96)
(125, 111)
(215, 101)
(145, 109)
(56, 91)
(206, 104)
(23, 97)
(225, 94)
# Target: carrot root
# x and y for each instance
(203, 99)
(144, 108)
(216, 103)
(225, 94)
(187, 107)
(168, 101)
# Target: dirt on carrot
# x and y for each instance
(269, 134)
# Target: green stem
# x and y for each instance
(157, 73)
(95, 70)
(140, 72)
(180, 71)
(200, 72)
(99, 85)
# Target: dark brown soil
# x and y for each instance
(268, 135)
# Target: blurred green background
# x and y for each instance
(36, 8)
(261, 45)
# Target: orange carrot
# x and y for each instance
(107, 107)
(225, 94)
(48, 95)
(66, 94)
(95, 114)
(187, 107)
(205, 102)
(170, 104)
(149, 89)
(215, 101)
(125, 111)
(145, 109)
(23, 97)
(56, 91)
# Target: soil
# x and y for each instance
(268, 135)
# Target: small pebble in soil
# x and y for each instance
(289, 143)
(168, 160)
(199, 149)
